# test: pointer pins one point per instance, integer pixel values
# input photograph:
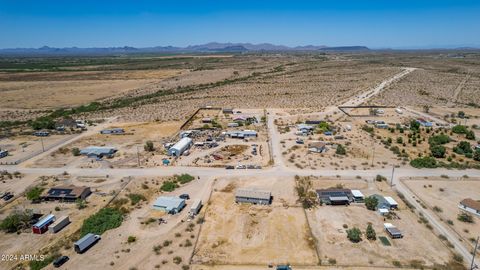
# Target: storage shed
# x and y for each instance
(180, 147)
(42, 225)
(392, 230)
(171, 205)
(357, 195)
(244, 195)
(59, 224)
(98, 152)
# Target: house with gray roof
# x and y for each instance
(255, 196)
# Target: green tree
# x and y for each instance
(459, 129)
(425, 162)
(34, 193)
(463, 148)
(400, 140)
(371, 203)
(470, 135)
(414, 125)
(476, 155)
(103, 220)
(438, 151)
(340, 150)
(354, 234)
(75, 151)
(461, 114)
(149, 147)
(15, 222)
(370, 233)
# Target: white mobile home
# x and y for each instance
(180, 147)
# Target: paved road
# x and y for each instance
(279, 168)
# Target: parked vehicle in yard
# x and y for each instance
(60, 261)
(86, 242)
(229, 167)
(184, 196)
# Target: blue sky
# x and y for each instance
(374, 23)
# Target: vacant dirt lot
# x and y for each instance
(249, 234)
(445, 195)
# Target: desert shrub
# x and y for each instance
(470, 135)
(371, 203)
(438, 139)
(136, 198)
(463, 148)
(438, 151)
(35, 193)
(184, 178)
(424, 162)
(131, 239)
(459, 129)
(104, 220)
(305, 192)
(464, 217)
(15, 222)
(380, 178)
(169, 186)
(340, 150)
(354, 234)
(370, 233)
(177, 259)
(149, 147)
(39, 264)
(75, 151)
(476, 155)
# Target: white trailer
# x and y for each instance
(86, 242)
(59, 224)
(196, 206)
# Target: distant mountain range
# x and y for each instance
(211, 47)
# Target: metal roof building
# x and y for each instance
(253, 196)
(67, 193)
(42, 225)
(335, 196)
(171, 205)
(180, 147)
(98, 152)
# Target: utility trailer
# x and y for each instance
(86, 242)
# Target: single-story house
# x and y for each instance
(357, 195)
(313, 122)
(233, 124)
(392, 230)
(424, 122)
(98, 152)
(180, 147)
(246, 195)
(207, 120)
(241, 134)
(171, 205)
(381, 125)
(385, 203)
(114, 131)
(470, 205)
(227, 111)
(306, 127)
(67, 193)
(3, 153)
(334, 196)
(316, 147)
(239, 118)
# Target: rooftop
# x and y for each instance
(253, 193)
(471, 203)
(169, 203)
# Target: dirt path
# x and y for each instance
(458, 90)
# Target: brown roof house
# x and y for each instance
(67, 193)
(471, 206)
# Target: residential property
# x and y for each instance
(317, 147)
(470, 205)
(305, 128)
(98, 152)
(42, 225)
(59, 224)
(239, 118)
(3, 153)
(241, 134)
(392, 231)
(385, 203)
(41, 133)
(180, 147)
(335, 196)
(114, 131)
(207, 120)
(171, 205)
(227, 111)
(60, 125)
(247, 195)
(233, 124)
(67, 193)
(424, 123)
(313, 122)
(357, 195)
(187, 133)
(381, 125)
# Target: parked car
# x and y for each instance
(229, 167)
(250, 166)
(284, 267)
(241, 167)
(7, 197)
(184, 196)
(299, 141)
(3, 194)
(60, 261)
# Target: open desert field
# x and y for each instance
(442, 197)
(243, 234)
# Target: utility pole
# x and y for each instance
(138, 157)
(43, 148)
(391, 180)
(472, 265)
(373, 151)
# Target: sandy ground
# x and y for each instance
(248, 234)
(447, 194)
